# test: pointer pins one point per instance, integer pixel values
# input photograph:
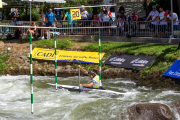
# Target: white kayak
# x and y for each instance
(85, 89)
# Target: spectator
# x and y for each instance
(84, 14)
(50, 17)
(89, 18)
(105, 16)
(31, 30)
(162, 21)
(121, 9)
(69, 20)
(42, 31)
(78, 21)
(175, 20)
(42, 16)
(108, 12)
(58, 13)
(99, 16)
(154, 16)
(118, 16)
(136, 19)
(95, 21)
(17, 16)
(120, 25)
(131, 24)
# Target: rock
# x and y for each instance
(28, 54)
(26, 63)
(165, 63)
(11, 68)
(25, 68)
(23, 50)
(23, 57)
(59, 69)
(59, 63)
(44, 70)
(39, 69)
(176, 106)
(20, 68)
(45, 63)
(150, 111)
(68, 67)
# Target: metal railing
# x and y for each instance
(91, 27)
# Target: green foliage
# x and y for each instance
(164, 3)
(92, 38)
(63, 44)
(3, 63)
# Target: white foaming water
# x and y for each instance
(61, 104)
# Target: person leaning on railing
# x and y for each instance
(153, 23)
(84, 14)
(69, 20)
(136, 19)
(120, 25)
(105, 16)
(89, 18)
(175, 20)
(162, 21)
(131, 24)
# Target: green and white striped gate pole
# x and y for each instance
(55, 60)
(31, 74)
(100, 58)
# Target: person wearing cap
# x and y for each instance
(95, 82)
(135, 18)
(154, 15)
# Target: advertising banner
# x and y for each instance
(129, 61)
(174, 70)
(66, 56)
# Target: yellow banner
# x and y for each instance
(75, 14)
(0, 3)
(66, 56)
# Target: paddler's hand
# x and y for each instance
(80, 85)
(79, 66)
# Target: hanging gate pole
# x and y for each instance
(31, 74)
(55, 60)
(100, 58)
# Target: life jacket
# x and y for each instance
(96, 82)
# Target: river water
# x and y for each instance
(61, 104)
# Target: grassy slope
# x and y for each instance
(3, 63)
(164, 52)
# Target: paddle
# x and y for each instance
(79, 79)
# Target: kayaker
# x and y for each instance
(95, 82)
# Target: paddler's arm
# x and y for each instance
(87, 85)
(83, 70)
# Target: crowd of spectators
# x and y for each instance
(158, 21)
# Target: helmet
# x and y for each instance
(133, 13)
(91, 73)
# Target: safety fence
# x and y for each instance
(92, 27)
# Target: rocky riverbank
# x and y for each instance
(19, 64)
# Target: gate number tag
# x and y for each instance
(75, 14)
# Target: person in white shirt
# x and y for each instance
(175, 20)
(84, 15)
(154, 15)
(120, 25)
(162, 21)
(105, 17)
